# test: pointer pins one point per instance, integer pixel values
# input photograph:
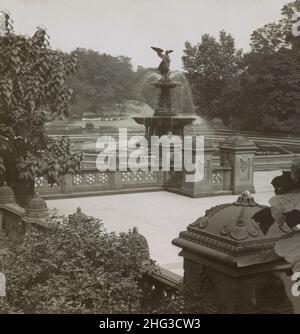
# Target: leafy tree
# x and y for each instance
(102, 80)
(267, 95)
(273, 36)
(75, 266)
(268, 39)
(209, 67)
(32, 80)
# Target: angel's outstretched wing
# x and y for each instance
(169, 51)
(158, 51)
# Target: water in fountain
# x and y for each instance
(182, 95)
(182, 100)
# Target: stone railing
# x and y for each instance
(94, 182)
(230, 173)
(161, 285)
(273, 162)
(267, 162)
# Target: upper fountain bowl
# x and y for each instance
(166, 83)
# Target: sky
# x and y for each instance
(130, 27)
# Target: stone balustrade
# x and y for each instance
(232, 173)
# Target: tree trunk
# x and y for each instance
(23, 189)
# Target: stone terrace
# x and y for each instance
(159, 216)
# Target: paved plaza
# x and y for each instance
(159, 216)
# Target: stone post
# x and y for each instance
(205, 186)
(10, 213)
(229, 265)
(67, 183)
(116, 180)
(238, 153)
(2, 285)
(1, 222)
(36, 213)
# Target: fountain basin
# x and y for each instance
(159, 125)
(169, 84)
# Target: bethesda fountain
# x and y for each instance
(165, 120)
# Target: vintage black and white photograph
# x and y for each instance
(149, 158)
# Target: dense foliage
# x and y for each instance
(255, 91)
(210, 67)
(75, 266)
(273, 36)
(103, 83)
(32, 80)
(266, 96)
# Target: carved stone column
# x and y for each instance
(229, 265)
(67, 183)
(238, 152)
(203, 187)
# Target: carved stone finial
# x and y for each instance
(140, 242)
(246, 199)
(37, 211)
(7, 195)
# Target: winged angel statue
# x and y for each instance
(164, 66)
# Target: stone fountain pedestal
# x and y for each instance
(164, 124)
(165, 119)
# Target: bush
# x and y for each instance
(75, 266)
